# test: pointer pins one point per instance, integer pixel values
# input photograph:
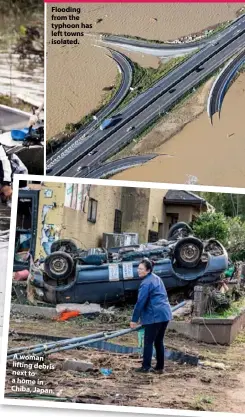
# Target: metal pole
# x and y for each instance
(73, 343)
(44, 346)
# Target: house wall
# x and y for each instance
(184, 212)
(135, 208)
(156, 213)
(138, 207)
(86, 234)
(63, 213)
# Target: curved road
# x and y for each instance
(119, 165)
(221, 84)
(144, 43)
(141, 43)
(155, 102)
(126, 70)
(148, 106)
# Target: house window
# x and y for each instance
(74, 196)
(152, 236)
(92, 210)
(160, 231)
(118, 221)
(174, 218)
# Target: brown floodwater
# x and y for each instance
(212, 154)
(78, 75)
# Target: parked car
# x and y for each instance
(72, 275)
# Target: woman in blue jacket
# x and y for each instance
(153, 311)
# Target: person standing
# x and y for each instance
(154, 313)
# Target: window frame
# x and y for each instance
(117, 221)
(90, 217)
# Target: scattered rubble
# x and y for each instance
(181, 386)
(215, 365)
(78, 366)
(186, 310)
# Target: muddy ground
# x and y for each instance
(181, 386)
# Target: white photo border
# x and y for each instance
(45, 88)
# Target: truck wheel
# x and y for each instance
(58, 265)
(188, 252)
(63, 245)
(178, 230)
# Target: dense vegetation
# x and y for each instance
(227, 223)
(16, 7)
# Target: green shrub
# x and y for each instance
(236, 241)
(212, 225)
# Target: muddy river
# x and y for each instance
(211, 154)
(26, 84)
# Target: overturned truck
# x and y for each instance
(72, 275)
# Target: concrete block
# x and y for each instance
(83, 309)
(48, 312)
(221, 331)
(199, 301)
(183, 311)
(78, 366)
(188, 330)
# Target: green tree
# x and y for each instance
(231, 205)
(236, 240)
(212, 225)
(15, 7)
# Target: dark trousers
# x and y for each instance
(154, 334)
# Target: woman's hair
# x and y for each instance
(149, 265)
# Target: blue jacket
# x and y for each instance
(152, 305)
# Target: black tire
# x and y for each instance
(174, 231)
(63, 245)
(188, 252)
(58, 265)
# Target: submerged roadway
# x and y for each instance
(150, 105)
(222, 83)
(126, 70)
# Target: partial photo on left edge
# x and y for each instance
(21, 106)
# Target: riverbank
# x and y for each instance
(21, 53)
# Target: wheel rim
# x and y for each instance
(58, 265)
(190, 252)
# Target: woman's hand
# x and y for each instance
(133, 325)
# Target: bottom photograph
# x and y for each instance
(126, 296)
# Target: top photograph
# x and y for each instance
(146, 92)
